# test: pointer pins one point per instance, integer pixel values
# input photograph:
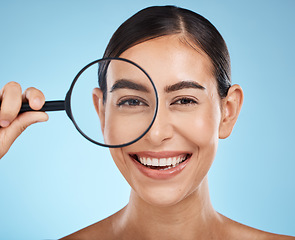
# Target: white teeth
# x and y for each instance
(171, 161)
(155, 162)
(174, 161)
(162, 162)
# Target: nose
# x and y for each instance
(162, 129)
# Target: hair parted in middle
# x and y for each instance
(158, 21)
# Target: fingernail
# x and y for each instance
(4, 123)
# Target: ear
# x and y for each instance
(231, 106)
(97, 97)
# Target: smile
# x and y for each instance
(162, 163)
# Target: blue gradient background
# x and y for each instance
(53, 182)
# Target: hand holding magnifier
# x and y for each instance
(116, 115)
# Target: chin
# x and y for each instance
(162, 196)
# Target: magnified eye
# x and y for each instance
(185, 101)
(132, 102)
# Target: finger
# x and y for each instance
(9, 134)
(35, 98)
(11, 98)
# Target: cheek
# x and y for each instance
(200, 127)
(114, 133)
(118, 158)
(119, 129)
(124, 126)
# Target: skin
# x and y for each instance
(176, 207)
(12, 124)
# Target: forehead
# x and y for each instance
(169, 59)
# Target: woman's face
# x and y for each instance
(171, 160)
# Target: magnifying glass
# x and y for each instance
(122, 116)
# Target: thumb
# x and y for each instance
(10, 133)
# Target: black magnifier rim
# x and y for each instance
(69, 108)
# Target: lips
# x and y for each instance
(160, 161)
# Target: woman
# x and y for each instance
(189, 63)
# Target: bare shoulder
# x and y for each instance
(272, 236)
(103, 229)
(99, 230)
(241, 231)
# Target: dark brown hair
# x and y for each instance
(157, 21)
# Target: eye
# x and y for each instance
(185, 101)
(131, 102)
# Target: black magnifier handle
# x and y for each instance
(48, 106)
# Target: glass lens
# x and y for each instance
(121, 111)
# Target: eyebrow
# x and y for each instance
(182, 85)
(125, 83)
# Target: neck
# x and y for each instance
(192, 217)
